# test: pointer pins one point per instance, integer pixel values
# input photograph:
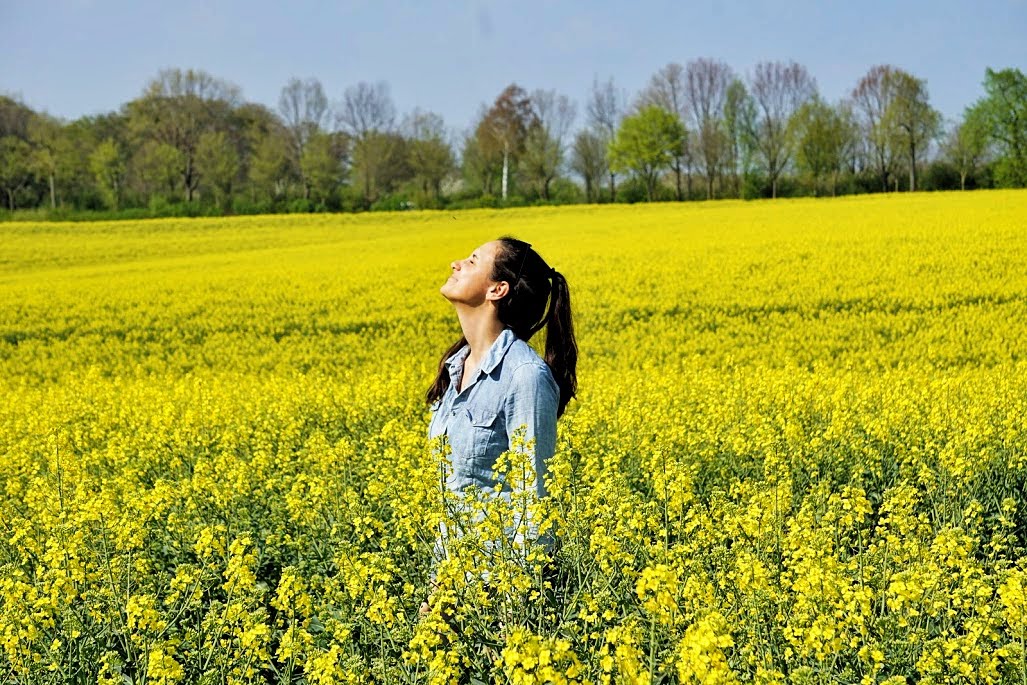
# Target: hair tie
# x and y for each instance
(552, 272)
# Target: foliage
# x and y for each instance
(108, 168)
(190, 138)
(15, 168)
(646, 143)
(1004, 111)
(823, 138)
(967, 144)
(912, 119)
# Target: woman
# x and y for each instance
(491, 382)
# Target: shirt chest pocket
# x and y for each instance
(488, 437)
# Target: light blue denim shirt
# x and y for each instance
(512, 387)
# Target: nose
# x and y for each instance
(454, 265)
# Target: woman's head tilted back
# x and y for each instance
(527, 295)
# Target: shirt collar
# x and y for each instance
(492, 357)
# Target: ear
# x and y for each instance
(498, 291)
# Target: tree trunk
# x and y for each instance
(188, 180)
(912, 167)
(53, 193)
(677, 180)
(709, 187)
(613, 189)
(506, 166)
(962, 180)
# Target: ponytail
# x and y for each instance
(561, 347)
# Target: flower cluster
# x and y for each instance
(798, 453)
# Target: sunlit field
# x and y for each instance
(798, 454)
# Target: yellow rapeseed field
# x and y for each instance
(799, 453)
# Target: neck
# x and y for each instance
(481, 327)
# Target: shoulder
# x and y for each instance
(526, 369)
(521, 354)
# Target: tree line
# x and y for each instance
(190, 144)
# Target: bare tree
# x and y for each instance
(544, 144)
(872, 97)
(706, 93)
(588, 159)
(304, 108)
(778, 89)
(175, 83)
(666, 89)
(555, 113)
(368, 115)
(606, 105)
(366, 108)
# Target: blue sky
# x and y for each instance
(77, 57)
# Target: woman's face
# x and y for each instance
(471, 281)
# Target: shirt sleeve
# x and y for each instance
(532, 402)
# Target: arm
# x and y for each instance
(532, 402)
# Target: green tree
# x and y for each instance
(480, 164)
(270, 169)
(912, 119)
(217, 163)
(50, 152)
(14, 118)
(15, 167)
(822, 139)
(109, 171)
(646, 144)
(83, 135)
(430, 155)
(176, 109)
(379, 164)
(739, 124)
(155, 169)
(1004, 111)
(322, 166)
(666, 89)
(966, 144)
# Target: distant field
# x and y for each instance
(799, 453)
